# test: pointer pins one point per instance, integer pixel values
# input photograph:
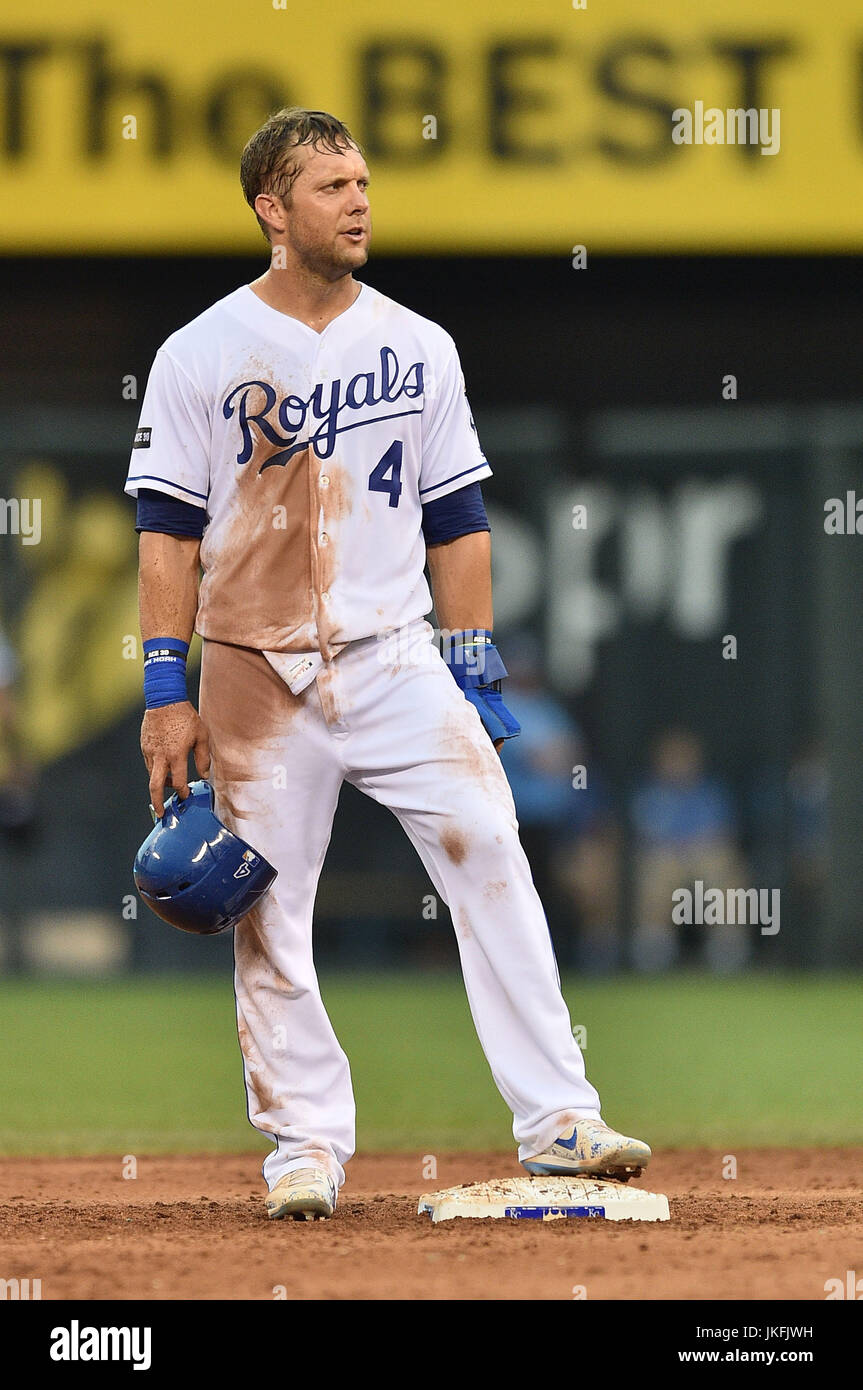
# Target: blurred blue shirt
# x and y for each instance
(545, 795)
(667, 814)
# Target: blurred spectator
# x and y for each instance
(566, 830)
(809, 833)
(16, 778)
(588, 866)
(685, 829)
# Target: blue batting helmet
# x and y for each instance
(195, 873)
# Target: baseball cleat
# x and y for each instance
(306, 1194)
(591, 1149)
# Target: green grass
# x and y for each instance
(153, 1065)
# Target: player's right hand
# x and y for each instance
(168, 736)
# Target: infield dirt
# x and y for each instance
(194, 1227)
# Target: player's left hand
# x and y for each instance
(498, 722)
(478, 670)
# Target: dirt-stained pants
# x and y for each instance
(388, 717)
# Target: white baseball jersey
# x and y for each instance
(313, 454)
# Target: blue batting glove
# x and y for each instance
(478, 670)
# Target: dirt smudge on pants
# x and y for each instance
(468, 753)
(252, 953)
(495, 889)
(246, 708)
(455, 844)
(264, 1093)
(462, 925)
(326, 693)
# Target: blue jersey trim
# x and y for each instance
(443, 482)
(154, 478)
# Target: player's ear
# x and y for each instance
(271, 209)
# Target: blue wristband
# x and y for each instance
(466, 654)
(478, 670)
(164, 672)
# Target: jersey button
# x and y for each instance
(325, 597)
(324, 480)
(324, 538)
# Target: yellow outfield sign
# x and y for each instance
(488, 126)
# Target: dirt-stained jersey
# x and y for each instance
(313, 455)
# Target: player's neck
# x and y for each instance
(313, 301)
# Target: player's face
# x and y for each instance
(329, 217)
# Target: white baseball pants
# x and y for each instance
(387, 716)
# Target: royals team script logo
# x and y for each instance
(330, 411)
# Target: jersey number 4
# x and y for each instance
(386, 476)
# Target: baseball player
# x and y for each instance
(307, 443)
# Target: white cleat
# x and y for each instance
(591, 1149)
(306, 1194)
